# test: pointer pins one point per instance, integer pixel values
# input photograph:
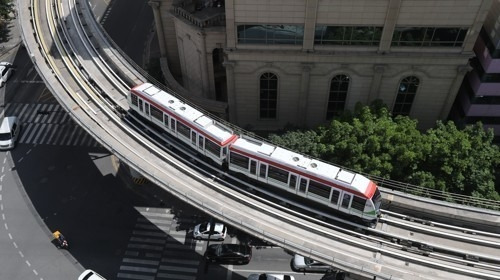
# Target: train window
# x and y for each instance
(212, 147)
(140, 105)
(335, 197)
(193, 138)
(172, 124)
(156, 113)
(133, 99)
(278, 174)
(303, 185)
(146, 108)
(200, 142)
(253, 167)
(319, 190)
(358, 203)
(239, 160)
(293, 181)
(345, 200)
(263, 170)
(224, 151)
(183, 129)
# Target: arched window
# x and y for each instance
(268, 95)
(406, 94)
(338, 94)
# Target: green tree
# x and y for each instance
(6, 8)
(306, 142)
(460, 161)
(370, 140)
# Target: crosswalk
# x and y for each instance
(48, 124)
(156, 250)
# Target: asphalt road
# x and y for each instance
(129, 23)
(113, 226)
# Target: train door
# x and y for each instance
(146, 110)
(263, 172)
(201, 141)
(141, 104)
(172, 126)
(253, 168)
(346, 201)
(292, 183)
(334, 198)
(303, 186)
(193, 138)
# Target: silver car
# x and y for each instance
(204, 231)
(301, 263)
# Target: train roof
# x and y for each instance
(344, 178)
(163, 100)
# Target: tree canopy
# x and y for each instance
(6, 7)
(370, 140)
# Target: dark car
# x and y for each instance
(229, 253)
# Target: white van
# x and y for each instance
(9, 132)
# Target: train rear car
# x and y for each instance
(197, 130)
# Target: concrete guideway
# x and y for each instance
(243, 213)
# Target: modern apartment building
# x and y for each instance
(479, 97)
(302, 62)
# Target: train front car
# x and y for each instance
(342, 190)
(195, 129)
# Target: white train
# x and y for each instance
(339, 189)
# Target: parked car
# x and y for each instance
(6, 70)
(205, 231)
(301, 263)
(9, 132)
(265, 276)
(90, 275)
(229, 253)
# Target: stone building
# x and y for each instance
(479, 97)
(302, 62)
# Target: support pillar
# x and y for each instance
(231, 92)
(155, 4)
(452, 93)
(205, 86)
(378, 72)
(304, 94)
(391, 19)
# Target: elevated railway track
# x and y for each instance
(74, 59)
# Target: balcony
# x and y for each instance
(489, 63)
(208, 13)
(481, 87)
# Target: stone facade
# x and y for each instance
(305, 71)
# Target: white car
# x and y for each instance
(9, 132)
(6, 70)
(265, 276)
(301, 263)
(204, 231)
(90, 275)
